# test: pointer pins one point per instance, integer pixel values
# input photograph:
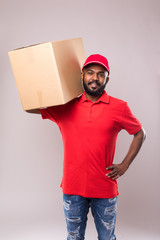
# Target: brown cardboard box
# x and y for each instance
(48, 74)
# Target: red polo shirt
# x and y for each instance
(89, 131)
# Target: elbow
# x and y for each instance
(141, 135)
(144, 134)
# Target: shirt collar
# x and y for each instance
(104, 98)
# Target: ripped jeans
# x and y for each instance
(103, 210)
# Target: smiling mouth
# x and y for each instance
(94, 85)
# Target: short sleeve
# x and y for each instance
(129, 122)
(49, 113)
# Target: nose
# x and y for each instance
(95, 76)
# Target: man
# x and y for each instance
(90, 125)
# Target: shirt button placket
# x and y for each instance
(91, 113)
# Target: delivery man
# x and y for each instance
(89, 125)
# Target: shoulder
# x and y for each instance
(63, 107)
(116, 100)
(117, 103)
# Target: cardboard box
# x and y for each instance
(48, 74)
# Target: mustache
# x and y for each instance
(95, 81)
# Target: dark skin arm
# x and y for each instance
(37, 111)
(118, 170)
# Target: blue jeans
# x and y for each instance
(103, 210)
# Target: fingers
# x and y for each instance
(114, 174)
(111, 167)
(117, 176)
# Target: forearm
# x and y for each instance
(134, 147)
(118, 170)
(36, 111)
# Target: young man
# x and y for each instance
(90, 125)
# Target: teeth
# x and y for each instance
(94, 85)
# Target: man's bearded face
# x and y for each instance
(94, 79)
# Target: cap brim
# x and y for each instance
(96, 62)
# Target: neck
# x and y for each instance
(92, 98)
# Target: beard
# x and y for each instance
(95, 93)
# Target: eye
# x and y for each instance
(102, 75)
(89, 72)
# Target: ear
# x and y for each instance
(107, 80)
(82, 74)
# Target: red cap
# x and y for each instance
(98, 59)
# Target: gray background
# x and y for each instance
(127, 32)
